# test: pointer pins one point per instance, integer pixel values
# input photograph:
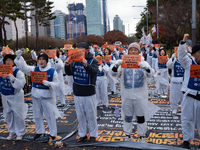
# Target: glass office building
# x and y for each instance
(118, 24)
(58, 25)
(94, 16)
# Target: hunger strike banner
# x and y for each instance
(51, 53)
(163, 59)
(7, 50)
(195, 71)
(131, 61)
(68, 46)
(120, 49)
(76, 55)
(157, 45)
(38, 77)
(107, 59)
(5, 70)
(99, 59)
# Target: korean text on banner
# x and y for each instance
(68, 46)
(131, 61)
(99, 59)
(157, 45)
(163, 59)
(120, 49)
(107, 59)
(7, 50)
(51, 53)
(76, 55)
(195, 71)
(38, 77)
(5, 70)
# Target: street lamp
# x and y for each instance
(147, 16)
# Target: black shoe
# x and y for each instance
(186, 144)
(38, 136)
(82, 139)
(92, 139)
(112, 92)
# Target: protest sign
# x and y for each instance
(131, 61)
(38, 77)
(7, 50)
(76, 55)
(5, 70)
(99, 59)
(51, 53)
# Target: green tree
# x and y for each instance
(42, 15)
(16, 13)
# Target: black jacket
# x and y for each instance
(92, 69)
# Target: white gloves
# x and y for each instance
(118, 63)
(18, 53)
(1, 53)
(144, 65)
(111, 61)
(100, 68)
(173, 56)
(46, 83)
(63, 50)
(12, 78)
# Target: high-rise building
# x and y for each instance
(58, 25)
(118, 24)
(76, 21)
(11, 31)
(94, 17)
(106, 23)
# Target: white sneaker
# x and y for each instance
(19, 137)
(142, 139)
(127, 138)
(11, 136)
(174, 112)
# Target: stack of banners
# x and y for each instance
(163, 128)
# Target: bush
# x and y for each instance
(43, 42)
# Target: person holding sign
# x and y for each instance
(111, 79)
(84, 75)
(101, 84)
(43, 93)
(154, 57)
(176, 94)
(190, 106)
(162, 75)
(134, 93)
(14, 108)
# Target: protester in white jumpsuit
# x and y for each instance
(84, 74)
(58, 65)
(134, 93)
(149, 55)
(190, 106)
(176, 94)
(43, 95)
(14, 108)
(101, 85)
(111, 79)
(162, 75)
(154, 58)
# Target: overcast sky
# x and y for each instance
(122, 8)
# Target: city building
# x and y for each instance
(106, 23)
(11, 31)
(58, 25)
(76, 21)
(118, 24)
(94, 17)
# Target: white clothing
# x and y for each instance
(43, 99)
(15, 110)
(86, 108)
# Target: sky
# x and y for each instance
(122, 8)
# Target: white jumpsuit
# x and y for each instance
(14, 108)
(101, 86)
(190, 107)
(176, 94)
(43, 99)
(162, 80)
(134, 93)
